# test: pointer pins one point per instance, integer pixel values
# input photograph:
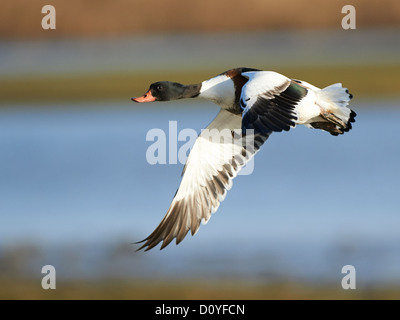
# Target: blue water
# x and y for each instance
(76, 175)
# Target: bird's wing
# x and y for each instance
(269, 101)
(219, 152)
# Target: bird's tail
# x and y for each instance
(336, 117)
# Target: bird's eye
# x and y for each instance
(159, 87)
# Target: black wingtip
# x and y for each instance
(149, 244)
(139, 242)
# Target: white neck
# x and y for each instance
(220, 90)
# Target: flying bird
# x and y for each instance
(253, 104)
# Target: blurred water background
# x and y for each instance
(76, 190)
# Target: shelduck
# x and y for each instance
(254, 103)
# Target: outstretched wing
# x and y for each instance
(269, 102)
(218, 154)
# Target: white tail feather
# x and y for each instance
(335, 99)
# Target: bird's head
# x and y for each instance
(162, 91)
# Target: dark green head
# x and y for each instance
(167, 91)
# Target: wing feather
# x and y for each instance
(207, 176)
(269, 102)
